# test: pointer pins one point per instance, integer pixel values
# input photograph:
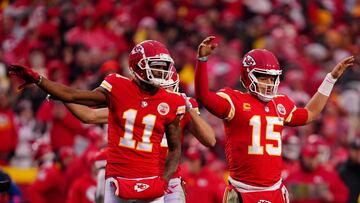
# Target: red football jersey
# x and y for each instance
(253, 136)
(164, 147)
(136, 126)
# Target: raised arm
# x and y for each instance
(172, 133)
(213, 102)
(198, 126)
(318, 101)
(88, 115)
(62, 92)
(201, 129)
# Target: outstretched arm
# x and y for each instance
(213, 102)
(174, 146)
(62, 92)
(88, 115)
(201, 129)
(318, 101)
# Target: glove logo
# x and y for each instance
(248, 61)
(139, 187)
(163, 108)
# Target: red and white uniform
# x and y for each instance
(253, 142)
(136, 127)
(185, 120)
(175, 192)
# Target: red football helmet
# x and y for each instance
(260, 62)
(174, 80)
(147, 54)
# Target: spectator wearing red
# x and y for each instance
(63, 125)
(78, 165)
(8, 132)
(312, 183)
(49, 183)
(291, 147)
(83, 189)
(202, 184)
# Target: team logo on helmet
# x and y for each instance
(163, 108)
(281, 109)
(248, 61)
(137, 49)
(139, 187)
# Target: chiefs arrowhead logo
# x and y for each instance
(139, 187)
(281, 109)
(248, 61)
(138, 49)
(163, 108)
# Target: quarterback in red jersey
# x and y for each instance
(190, 121)
(140, 112)
(254, 121)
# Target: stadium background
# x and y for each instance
(77, 42)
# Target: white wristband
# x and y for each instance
(327, 85)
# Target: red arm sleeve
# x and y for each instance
(298, 117)
(212, 102)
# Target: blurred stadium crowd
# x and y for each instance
(78, 42)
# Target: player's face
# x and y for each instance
(170, 88)
(158, 70)
(266, 83)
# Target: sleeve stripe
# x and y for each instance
(288, 119)
(106, 85)
(232, 110)
(180, 110)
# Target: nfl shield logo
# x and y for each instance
(144, 104)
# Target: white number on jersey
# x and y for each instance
(256, 147)
(127, 140)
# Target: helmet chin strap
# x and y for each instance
(262, 97)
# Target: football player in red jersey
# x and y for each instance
(139, 114)
(190, 121)
(254, 121)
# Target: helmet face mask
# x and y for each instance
(150, 62)
(263, 90)
(173, 84)
(258, 66)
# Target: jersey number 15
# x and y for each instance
(270, 134)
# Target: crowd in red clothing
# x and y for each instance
(70, 41)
